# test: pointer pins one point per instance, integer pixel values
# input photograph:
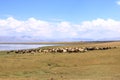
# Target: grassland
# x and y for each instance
(91, 65)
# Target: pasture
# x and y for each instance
(91, 65)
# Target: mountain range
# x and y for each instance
(39, 39)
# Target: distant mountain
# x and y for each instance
(15, 39)
(39, 39)
(25, 39)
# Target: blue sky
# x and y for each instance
(70, 10)
(60, 18)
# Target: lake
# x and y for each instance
(20, 46)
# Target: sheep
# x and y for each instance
(60, 50)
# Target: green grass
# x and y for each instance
(92, 65)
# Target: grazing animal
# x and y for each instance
(60, 50)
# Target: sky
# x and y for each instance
(60, 19)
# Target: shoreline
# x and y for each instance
(64, 44)
(9, 47)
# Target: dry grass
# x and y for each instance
(92, 65)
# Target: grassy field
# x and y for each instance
(91, 65)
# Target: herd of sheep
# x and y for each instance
(59, 50)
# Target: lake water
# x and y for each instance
(20, 46)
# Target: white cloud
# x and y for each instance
(95, 29)
(118, 2)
